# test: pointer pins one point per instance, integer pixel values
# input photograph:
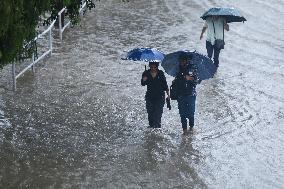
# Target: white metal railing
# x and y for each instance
(82, 7)
(49, 51)
(62, 28)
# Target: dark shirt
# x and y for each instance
(185, 87)
(156, 86)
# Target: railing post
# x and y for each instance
(33, 59)
(50, 41)
(82, 7)
(60, 26)
(14, 76)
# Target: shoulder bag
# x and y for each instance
(219, 43)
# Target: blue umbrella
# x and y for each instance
(144, 54)
(205, 66)
(229, 13)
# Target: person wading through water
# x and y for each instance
(155, 94)
(214, 26)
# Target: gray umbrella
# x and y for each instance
(229, 13)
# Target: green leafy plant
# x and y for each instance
(19, 20)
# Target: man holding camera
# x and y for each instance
(186, 81)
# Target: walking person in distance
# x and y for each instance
(215, 26)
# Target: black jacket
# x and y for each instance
(186, 87)
(156, 87)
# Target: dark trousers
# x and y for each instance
(155, 111)
(210, 49)
(186, 106)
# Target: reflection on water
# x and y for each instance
(80, 120)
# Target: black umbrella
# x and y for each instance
(205, 67)
(230, 14)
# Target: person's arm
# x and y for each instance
(202, 32)
(164, 83)
(176, 82)
(144, 80)
(226, 26)
(205, 26)
(194, 76)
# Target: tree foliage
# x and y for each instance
(20, 18)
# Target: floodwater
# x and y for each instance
(80, 122)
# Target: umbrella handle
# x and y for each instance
(145, 68)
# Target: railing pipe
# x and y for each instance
(60, 22)
(50, 41)
(61, 30)
(82, 7)
(33, 59)
(14, 76)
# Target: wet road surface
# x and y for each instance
(80, 120)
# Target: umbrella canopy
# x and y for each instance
(230, 14)
(144, 54)
(205, 66)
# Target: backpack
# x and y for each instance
(173, 90)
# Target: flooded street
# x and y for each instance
(80, 120)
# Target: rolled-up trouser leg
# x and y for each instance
(191, 121)
(158, 111)
(182, 106)
(191, 109)
(186, 105)
(155, 111)
(150, 111)
(209, 48)
(216, 55)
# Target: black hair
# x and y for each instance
(154, 63)
(183, 57)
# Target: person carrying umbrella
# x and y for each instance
(186, 81)
(215, 26)
(216, 20)
(189, 68)
(155, 94)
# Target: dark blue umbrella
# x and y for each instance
(205, 66)
(144, 54)
(230, 14)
